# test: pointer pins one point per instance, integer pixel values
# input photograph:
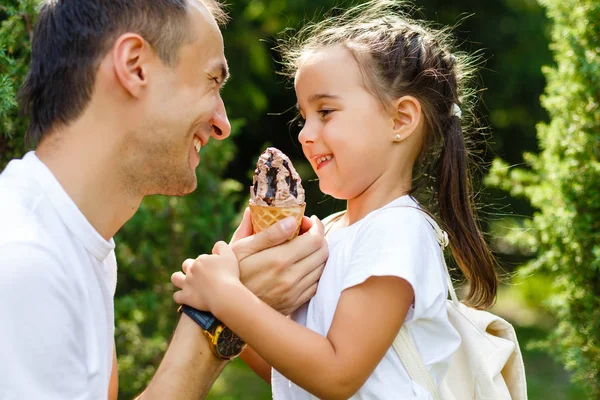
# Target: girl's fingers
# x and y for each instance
(222, 249)
(306, 224)
(178, 297)
(178, 279)
(186, 265)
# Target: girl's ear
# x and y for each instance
(407, 118)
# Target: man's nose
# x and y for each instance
(221, 128)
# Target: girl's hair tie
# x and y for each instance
(456, 111)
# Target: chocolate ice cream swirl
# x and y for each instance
(276, 182)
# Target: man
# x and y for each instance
(121, 95)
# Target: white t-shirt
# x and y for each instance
(57, 282)
(392, 241)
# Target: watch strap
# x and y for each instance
(203, 318)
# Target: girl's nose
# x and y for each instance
(307, 134)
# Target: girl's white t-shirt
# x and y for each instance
(395, 240)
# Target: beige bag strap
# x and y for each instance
(416, 369)
(404, 345)
(443, 241)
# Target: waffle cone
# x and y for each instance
(265, 216)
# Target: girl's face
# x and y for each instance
(347, 134)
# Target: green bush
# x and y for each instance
(16, 24)
(563, 184)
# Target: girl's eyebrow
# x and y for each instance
(319, 96)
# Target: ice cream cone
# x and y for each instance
(265, 216)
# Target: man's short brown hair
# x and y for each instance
(72, 36)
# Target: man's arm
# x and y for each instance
(283, 276)
(113, 386)
(188, 369)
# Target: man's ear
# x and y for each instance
(131, 54)
(407, 116)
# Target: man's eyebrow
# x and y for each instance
(319, 96)
(224, 73)
(221, 71)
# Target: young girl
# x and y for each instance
(381, 100)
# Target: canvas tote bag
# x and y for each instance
(488, 364)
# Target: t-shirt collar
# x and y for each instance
(68, 211)
(402, 201)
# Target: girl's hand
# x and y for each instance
(205, 280)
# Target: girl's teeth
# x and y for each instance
(197, 144)
(323, 159)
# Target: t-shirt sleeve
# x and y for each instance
(398, 241)
(42, 347)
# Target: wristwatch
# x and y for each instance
(223, 342)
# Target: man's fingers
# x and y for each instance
(272, 236)
(308, 270)
(311, 245)
(317, 225)
(311, 278)
(308, 294)
(178, 279)
(245, 229)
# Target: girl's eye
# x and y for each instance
(324, 113)
(300, 122)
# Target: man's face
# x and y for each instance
(183, 109)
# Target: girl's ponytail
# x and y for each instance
(398, 57)
(455, 202)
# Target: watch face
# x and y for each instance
(228, 343)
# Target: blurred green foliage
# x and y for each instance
(16, 23)
(511, 35)
(563, 185)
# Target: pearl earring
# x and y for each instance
(398, 138)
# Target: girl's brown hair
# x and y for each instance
(398, 57)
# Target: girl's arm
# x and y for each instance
(257, 364)
(367, 319)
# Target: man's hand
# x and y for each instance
(285, 276)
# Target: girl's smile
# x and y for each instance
(322, 160)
